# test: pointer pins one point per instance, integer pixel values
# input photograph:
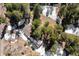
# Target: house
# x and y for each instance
(51, 11)
(72, 30)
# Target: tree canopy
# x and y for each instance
(70, 14)
(17, 11)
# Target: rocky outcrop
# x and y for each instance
(2, 10)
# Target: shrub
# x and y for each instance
(35, 24)
(2, 20)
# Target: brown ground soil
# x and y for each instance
(51, 21)
(18, 48)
